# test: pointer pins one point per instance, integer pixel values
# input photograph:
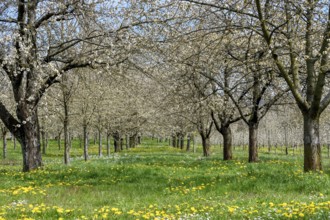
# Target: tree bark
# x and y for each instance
(116, 141)
(85, 137)
(188, 142)
(253, 142)
(227, 142)
(312, 146)
(30, 141)
(100, 143)
(127, 141)
(121, 143)
(4, 143)
(108, 145)
(181, 142)
(132, 141)
(139, 139)
(66, 135)
(43, 139)
(173, 140)
(206, 146)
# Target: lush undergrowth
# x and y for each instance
(155, 181)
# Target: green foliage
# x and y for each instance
(154, 181)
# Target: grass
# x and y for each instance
(155, 181)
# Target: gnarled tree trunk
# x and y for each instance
(206, 146)
(312, 146)
(29, 139)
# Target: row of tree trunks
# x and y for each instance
(178, 140)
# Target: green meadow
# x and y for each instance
(156, 181)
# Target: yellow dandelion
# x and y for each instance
(231, 210)
(130, 212)
(114, 209)
(60, 210)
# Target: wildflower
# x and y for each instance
(114, 209)
(130, 212)
(60, 210)
(118, 213)
(231, 210)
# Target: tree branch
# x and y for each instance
(9, 121)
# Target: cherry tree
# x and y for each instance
(35, 53)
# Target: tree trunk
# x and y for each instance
(66, 135)
(116, 142)
(139, 139)
(253, 142)
(132, 141)
(127, 141)
(188, 142)
(108, 145)
(43, 139)
(194, 143)
(100, 143)
(121, 144)
(29, 139)
(312, 146)
(181, 142)
(206, 146)
(4, 143)
(85, 137)
(227, 142)
(174, 141)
